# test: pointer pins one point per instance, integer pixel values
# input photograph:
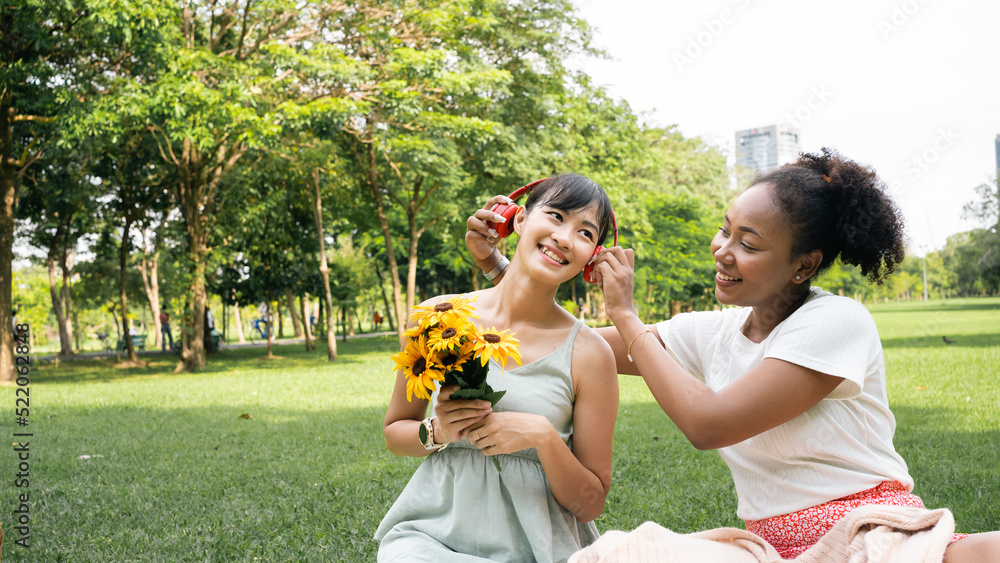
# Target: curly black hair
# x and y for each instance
(841, 208)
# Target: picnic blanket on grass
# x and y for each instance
(869, 534)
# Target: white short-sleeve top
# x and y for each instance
(839, 447)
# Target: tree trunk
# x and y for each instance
(305, 333)
(195, 198)
(65, 345)
(151, 281)
(675, 308)
(320, 314)
(193, 327)
(66, 299)
(239, 324)
(411, 271)
(123, 269)
(343, 323)
(8, 193)
(385, 299)
(270, 327)
(197, 181)
(383, 221)
(114, 319)
(193, 330)
(269, 315)
(324, 270)
(277, 318)
(75, 324)
(293, 313)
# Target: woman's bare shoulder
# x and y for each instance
(590, 347)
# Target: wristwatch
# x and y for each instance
(426, 434)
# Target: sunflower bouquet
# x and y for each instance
(444, 346)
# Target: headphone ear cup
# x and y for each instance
(508, 211)
(588, 270)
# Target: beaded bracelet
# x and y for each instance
(641, 343)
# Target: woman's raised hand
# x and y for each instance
(479, 237)
(615, 272)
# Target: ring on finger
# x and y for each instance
(478, 437)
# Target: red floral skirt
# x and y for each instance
(791, 534)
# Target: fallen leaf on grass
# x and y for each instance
(246, 415)
(921, 387)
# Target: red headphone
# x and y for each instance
(509, 210)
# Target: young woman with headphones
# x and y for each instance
(789, 385)
(552, 431)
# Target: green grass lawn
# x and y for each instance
(184, 476)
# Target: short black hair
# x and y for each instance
(571, 192)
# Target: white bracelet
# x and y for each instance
(500, 267)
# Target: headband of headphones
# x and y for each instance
(525, 189)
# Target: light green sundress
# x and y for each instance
(458, 507)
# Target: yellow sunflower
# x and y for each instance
(455, 359)
(497, 343)
(413, 331)
(448, 312)
(420, 373)
(443, 336)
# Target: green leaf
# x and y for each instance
(494, 396)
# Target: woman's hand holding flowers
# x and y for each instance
(455, 417)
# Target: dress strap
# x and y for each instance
(572, 333)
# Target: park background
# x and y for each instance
(323, 157)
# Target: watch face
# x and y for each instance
(422, 433)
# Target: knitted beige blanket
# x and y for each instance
(869, 534)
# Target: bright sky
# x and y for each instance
(910, 87)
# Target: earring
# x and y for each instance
(798, 277)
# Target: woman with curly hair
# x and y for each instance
(789, 385)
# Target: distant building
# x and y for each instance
(997, 146)
(766, 148)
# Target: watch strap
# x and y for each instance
(426, 435)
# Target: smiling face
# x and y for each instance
(556, 243)
(752, 250)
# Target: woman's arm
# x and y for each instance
(620, 348)
(482, 241)
(580, 478)
(402, 419)
(772, 393)
(402, 422)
